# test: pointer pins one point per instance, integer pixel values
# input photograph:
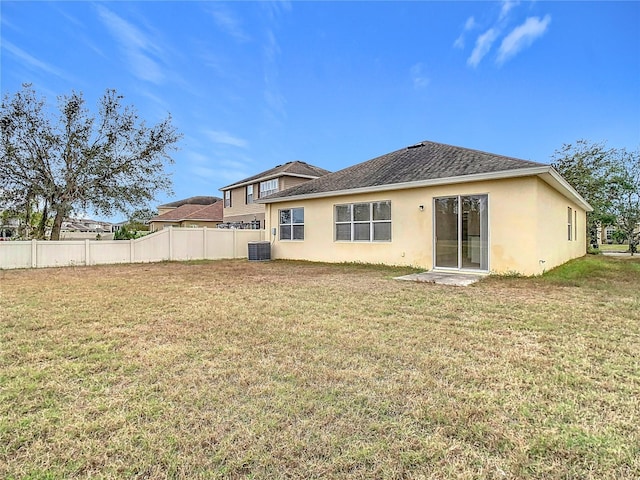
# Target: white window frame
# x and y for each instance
(268, 187)
(227, 198)
(352, 222)
(569, 224)
(295, 223)
(249, 195)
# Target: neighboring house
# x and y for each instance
(189, 215)
(199, 200)
(433, 206)
(240, 207)
(85, 229)
(9, 227)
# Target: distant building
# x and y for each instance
(240, 207)
(190, 212)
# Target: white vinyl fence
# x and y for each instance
(171, 243)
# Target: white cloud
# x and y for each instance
(522, 36)
(483, 45)
(419, 77)
(226, 138)
(470, 24)
(507, 5)
(32, 61)
(137, 46)
(228, 22)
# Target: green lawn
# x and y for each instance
(614, 248)
(236, 369)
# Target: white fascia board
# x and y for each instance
(264, 179)
(521, 172)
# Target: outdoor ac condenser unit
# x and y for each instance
(259, 251)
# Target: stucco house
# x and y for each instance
(197, 214)
(433, 206)
(197, 200)
(240, 199)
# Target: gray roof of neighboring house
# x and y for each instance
(200, 200)
(295, 169)
(420, 162)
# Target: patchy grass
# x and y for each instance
(234, 369)
(614, 247)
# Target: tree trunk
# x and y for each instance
(42, 226)
(57, 222)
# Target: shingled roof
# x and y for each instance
(199, 200)
(417, 163)
(294, 169)
(208, 213)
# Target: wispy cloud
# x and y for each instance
(519, 38)
(419, 77)
(137, 47)
(507, 5)
(228, 22)
(522, 36)
(274, 99)
(276, 8)
(470, 24)
(31, 61)
(226, 138)
(482, 47)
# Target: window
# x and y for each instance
(569, 223)
(575, 225)
(268, 187)
(227, 198)
(363, 222)
(292, 224)
(249, 194)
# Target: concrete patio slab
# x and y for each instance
(443, 278)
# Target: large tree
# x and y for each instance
(111, 162)
(626, 205)
(591, 168)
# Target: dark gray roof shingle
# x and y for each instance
(200, 200)
(295, 168)
(423, 161)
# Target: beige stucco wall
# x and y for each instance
(516, 237)
(240, 209)
(157, 226)
(199, 223)
(554, 248)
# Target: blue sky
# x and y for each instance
(256, 84)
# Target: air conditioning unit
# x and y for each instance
(259, 251)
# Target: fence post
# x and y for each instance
(170, 242)
(34, 253)
(132, 251)
(204, 243)
(87, 254)
(235, 243)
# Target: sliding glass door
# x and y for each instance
(461, 232)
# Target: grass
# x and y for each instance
(235, 369)
(614, 247)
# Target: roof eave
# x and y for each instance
(521, 172)
(546, 172)
(265, 178)
(553, 178)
